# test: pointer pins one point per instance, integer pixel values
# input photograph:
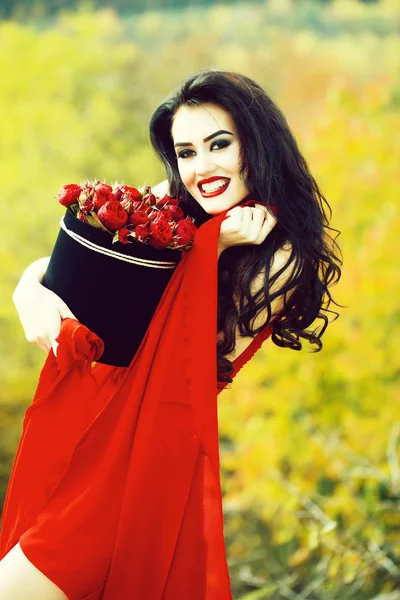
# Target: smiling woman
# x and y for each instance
(209, 164)
(115, 491)
(222, 129)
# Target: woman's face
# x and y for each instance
(208, 148)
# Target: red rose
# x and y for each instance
(118, 193)
(150, 199)
(103, 187)
(112, 215)
(158, 214)
(162, 214)
(161, 233)
(131, 205)
(175, 211)
(167, 200)
(123, 235)
(184, 232)
(69, 194)
(160, 202)
(87, 189)
(86, 205)
(139, 217)
(81, 217)
(102, 193)
(148, 209)
(174, 201)
(131, 192)
(142, 231)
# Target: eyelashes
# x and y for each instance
(184, 154)
(220, 143)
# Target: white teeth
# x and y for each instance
(214, 186)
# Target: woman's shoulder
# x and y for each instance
(280, 260)
(161, 189)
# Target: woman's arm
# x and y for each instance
(33, 274)
(248, 225)
(40, 310)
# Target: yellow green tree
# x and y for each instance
(309, 442)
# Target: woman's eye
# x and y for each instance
(185, 153)
(221, 144)
(217, 145)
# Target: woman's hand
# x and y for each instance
(245, 225)
(40, 310)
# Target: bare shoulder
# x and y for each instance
(158, 190)
(161, 188)
(281, 259)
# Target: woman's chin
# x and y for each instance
(216, 205)
(214, 210)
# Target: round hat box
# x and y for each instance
(112, 288)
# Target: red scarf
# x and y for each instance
(121, 482)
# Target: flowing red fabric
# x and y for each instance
(115, 491)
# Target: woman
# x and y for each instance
(223, 143)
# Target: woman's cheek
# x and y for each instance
(182, 173)
(185, 176)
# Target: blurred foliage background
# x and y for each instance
(309, 442)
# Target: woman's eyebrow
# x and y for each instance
(207, 139)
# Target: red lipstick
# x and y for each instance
(210, 180)
(217, 192)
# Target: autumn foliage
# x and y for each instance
(309, 442)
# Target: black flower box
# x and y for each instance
(112, 288)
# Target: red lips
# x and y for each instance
(210, 180)
(217, 192)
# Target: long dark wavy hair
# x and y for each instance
(277, 173)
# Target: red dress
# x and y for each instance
(115, 491)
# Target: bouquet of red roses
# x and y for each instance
(115, 253)
(128, 214)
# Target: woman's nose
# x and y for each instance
(204, 164)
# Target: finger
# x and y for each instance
(271, 218)
(235, 210)
(233, 223)
(267, 227)
(258, 218)
(260, 211)
(46, 345)
(242, 222)
(42, 345)
(246, 224)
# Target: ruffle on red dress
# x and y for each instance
(115, 492)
